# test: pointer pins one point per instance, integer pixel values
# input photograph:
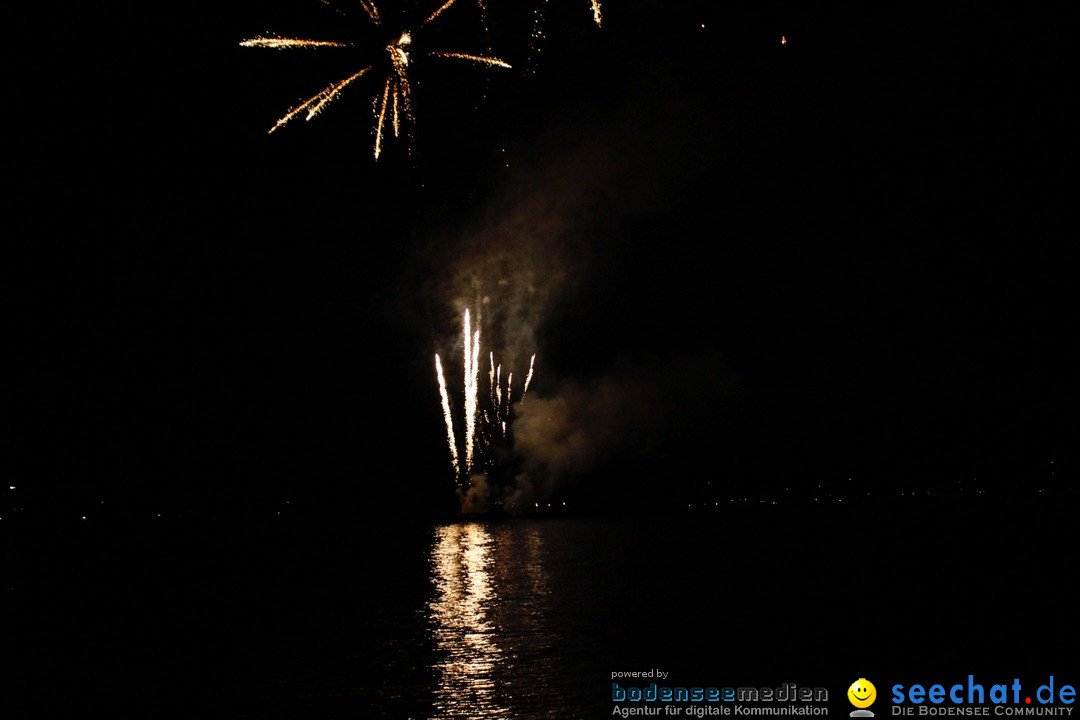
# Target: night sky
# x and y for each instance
(741, 262)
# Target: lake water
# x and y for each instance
(529, 618)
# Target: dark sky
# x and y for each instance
(741, 260)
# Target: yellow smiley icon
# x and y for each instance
(862, 693)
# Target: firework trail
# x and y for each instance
(498, 393)
(476, 370)
(402, 89)
(528, 378)
(446, 414)
(372, 11)
(382, 120)
(472, 374)
(330, 93)
(494, 62)
(314, 105)
(277, 43)
(482, 424)
(439, 12)
(470, 399)
(597, 18)
(396, 91)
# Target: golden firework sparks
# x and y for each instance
(482, 424)
(279, 43)
(316, 103)
(475, 365)
(448, 417)
(372, 11)
(399, 84)
(439, 12)
(330, 93)
(381, 119)
(537, 35)
(397, 123)
(498, 393)
(471, 347)
(509, 391)
(396, 91)
(528, 378)
(494, 62)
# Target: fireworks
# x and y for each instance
(539, 18)
(494, 62)
(395, 94)
(446, 413)
(283, 43)
(472, 354)
(484, 426)
(439, 12)
(315, 104)
(528, 378)
(596, 16)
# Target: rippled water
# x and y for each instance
(490, 621)
(528, 619)
(465, 624)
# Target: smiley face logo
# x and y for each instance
(862, 693)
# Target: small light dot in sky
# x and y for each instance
(783, 39)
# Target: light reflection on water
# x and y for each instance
(527, 619)
(474, 621)
(489, 620)
(464, 635)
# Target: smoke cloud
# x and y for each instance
(477, 498)
(544, 235)
(643, 410)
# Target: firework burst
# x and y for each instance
(484, 426)
(393, 99)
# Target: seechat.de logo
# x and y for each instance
(975, 698)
